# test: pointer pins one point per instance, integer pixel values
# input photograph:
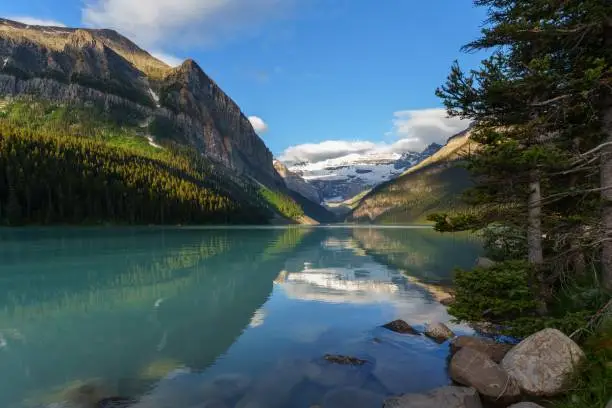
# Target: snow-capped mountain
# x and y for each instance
(341, 178)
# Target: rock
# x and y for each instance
(439, 332)
(115, 402)
(274, 389)
(212, 404)
(445, 397)
(226, 386)
(447, 300)
(89, 394)
(483, 262)
(525, 405)
(543, 363)
(352, 397)
(495, 351)
(475, 369)
(335, 374)
(609, 404)
(345, 360)
(400, 326)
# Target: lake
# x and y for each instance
(220, 317)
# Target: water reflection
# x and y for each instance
(238, 316)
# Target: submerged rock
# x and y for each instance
(345, 360)
(495, 351)
(525, 405)
(445, 397)
(475, 369)
(439, 332)
(543, 363)
(275, 388)
(226, 386)
(87, 394)
(352, 397)
(339, 372)
(400, 326)
(115, 402)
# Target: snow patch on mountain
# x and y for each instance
(341, 178)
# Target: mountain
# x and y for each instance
(70, 95)
(296, 183)
(342, 178)
(432, 185)
(100, 66)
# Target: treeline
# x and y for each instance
(123, 132)
(51, 178)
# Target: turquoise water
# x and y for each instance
(240, 316)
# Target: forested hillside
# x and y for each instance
(82, 164)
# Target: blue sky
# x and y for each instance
(327, 77)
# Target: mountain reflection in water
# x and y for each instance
(238, 316)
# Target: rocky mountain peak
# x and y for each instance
(85, 66)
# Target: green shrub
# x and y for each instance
(498, 294)
(505, 295)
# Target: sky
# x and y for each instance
(318, 78)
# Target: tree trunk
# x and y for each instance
(534, 227)
(534, 240)
(606, 196)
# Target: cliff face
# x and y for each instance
(102, 67)
(296, 183)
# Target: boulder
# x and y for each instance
(447, 397)
(483, 262)
(609, 405)
(400, 326)
(475, 369)
(352, 397)
(525, 405)
(495, 351)
(543, 363)
(439, 332)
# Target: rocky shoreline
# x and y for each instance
(484, 373)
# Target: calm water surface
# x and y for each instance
(234, 317)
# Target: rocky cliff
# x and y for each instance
(296, 183)
(83, 66)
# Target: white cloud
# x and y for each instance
(159, 23)
(258, 124)
(36, 21)
(169, 59)
(415, 130)
(329, 149)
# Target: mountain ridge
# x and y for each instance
(75, 65)
(342, 178)
(434, 184)
(98, 84)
